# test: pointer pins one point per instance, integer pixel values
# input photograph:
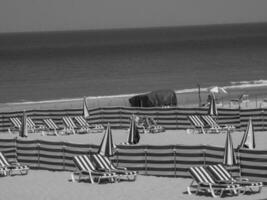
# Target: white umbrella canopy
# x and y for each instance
(218, 90)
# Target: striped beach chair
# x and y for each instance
(203, 182)
(70, 126)
(85, 168)
(51, 126)
(12, 168)
(197, 123)
(17, 124)
(103, 163)
(84, 125)
(213, 126)
(220, 174)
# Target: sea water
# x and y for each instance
(70, 64)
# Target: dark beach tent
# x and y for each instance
(156, 98)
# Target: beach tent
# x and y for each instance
(156, 98)
(134, 136)
(106, 147)
(229, 153)
(212, 106)
(248, 140)
(85, 109)
(24, 128)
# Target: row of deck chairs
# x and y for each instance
(206, 124)
(11, 168)
(72, 125)
(97, 168)
(217, 181)
(148, 125)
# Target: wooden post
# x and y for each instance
(16, 149)
(145, 161)
(38, 149)
(204, 157)
(63, 155)
(117, 157)
(199, 95)
(262, 114)
(174, 157)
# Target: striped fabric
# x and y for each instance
(82, 122)
(85, 166)
(206, 182)
(51, 124)
(102, 162)
(221, 174)
(12, 169)
(167, 160)
(197, 122)
(30, 123)
(69, 123)
(16, 122)
(214, 127)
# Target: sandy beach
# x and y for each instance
(49, 185)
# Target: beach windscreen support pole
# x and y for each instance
(199, 96)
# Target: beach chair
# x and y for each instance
(203, 182)
(51, 126)
(12, 168)
(86, 127)
(197, 123)
(221, 175)
(17, 124)
(213, 126)
(103, 163)
(153, 127)
(70, 126)
(85, 168)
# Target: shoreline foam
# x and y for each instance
(233, 86)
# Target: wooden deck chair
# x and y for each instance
(70, 126)
(12, 168)
(198, 124)
(85, 168)
(203, 182)
(220, 174)
(84, 125)
(51, 126)
(103, 163)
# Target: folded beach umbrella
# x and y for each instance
(248, 140)
(85, 109)
(212, 106)
(106, 147)
(134, 136)
(24, 128)
(229, 152)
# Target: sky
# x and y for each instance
(51, 15)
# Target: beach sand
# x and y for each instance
(170, 137)
(48, 185)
